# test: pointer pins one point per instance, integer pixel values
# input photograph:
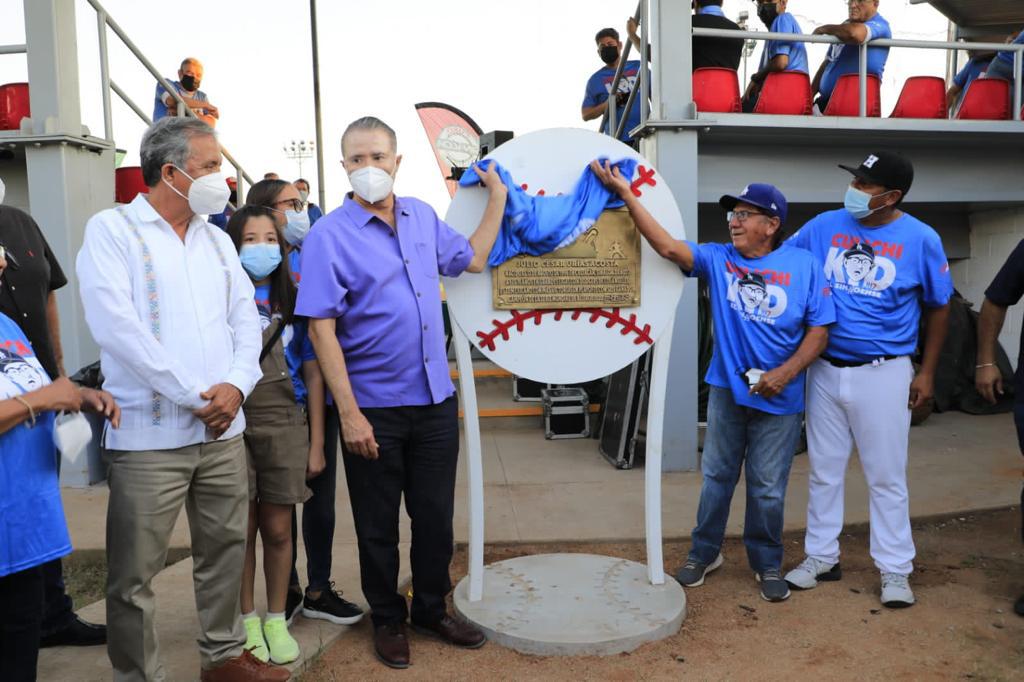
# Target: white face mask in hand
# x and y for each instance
(72, 434)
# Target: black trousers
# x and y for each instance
(318, 514)
(21, 613)
(419, 453)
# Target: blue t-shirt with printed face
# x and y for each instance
(298, 347)
(32, 526)
(761, 308)
(600, 84)
(880, 277)
(844, 59)
(1006, 56)
(797, 53)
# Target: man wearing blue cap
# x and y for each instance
(771, 308)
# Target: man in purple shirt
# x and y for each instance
(370, 288)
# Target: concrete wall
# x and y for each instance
(994, 234)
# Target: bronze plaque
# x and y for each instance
(601, 269)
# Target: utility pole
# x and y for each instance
(316, 109)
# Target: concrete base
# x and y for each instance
(572, 605)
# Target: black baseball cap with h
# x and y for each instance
(888, 169)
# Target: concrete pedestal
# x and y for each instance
(572, 605)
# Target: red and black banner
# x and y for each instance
(454, 136)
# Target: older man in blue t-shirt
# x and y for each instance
(864, 24)
(771, 309)
(778, 55)
(884, 267)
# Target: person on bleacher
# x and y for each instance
(1002, 65)
(190, 75)
(778, 55)
(715, 52)
(597, 97)
(864, 24)
(975, 67)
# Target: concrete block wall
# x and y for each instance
(994, 235)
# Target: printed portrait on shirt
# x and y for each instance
(20, 374)
(756, 296)
(860, 267)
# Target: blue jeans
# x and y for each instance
(763, 444)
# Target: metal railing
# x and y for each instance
(103, 22)
(1017, 49)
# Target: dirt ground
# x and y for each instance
(969, 571)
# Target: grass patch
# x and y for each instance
(85, 573)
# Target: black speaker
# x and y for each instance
(494, 139)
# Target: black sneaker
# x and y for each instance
(692, 573)
(773, 587)
(1018, 608)
(292, 603)
(331, 607)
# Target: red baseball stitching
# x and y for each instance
(645, 176)
(519, 319)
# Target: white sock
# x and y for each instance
(251, 614)
(275, 616)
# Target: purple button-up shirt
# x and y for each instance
(382, 287)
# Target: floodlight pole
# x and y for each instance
(316, 109)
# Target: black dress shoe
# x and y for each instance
(455, 632)
(391, 645)
(78, 633)
(1018, 608)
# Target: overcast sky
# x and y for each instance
(518, 66)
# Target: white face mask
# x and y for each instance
(72, 435)
(297, 228)
(207, 195)
(371, 183)
(303, 196)
(2, 190)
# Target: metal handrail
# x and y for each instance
(103, 22)
(611, 113)
(1017, 49)
(13, 49)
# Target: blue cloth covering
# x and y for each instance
(536, 225)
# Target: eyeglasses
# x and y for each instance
(294, 204)
(741, 216)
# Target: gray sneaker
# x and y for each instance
(692, 573)
(773, 587)
(896, 592)
(810, 571)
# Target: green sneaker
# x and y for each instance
(254, 642)
(283, 647)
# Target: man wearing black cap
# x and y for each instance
(862, 389)
(771, 309)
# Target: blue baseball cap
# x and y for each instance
(766, 197)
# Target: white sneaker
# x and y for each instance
(810, 571)
(896, 592)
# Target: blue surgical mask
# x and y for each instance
(259, 260)
(297, 228)
(858, 202)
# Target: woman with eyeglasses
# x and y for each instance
(320, 600)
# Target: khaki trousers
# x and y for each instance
(147, 490)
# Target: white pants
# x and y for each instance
(866, 406)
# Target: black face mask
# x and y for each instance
(609, 53)
(768, 13)
(189, 83)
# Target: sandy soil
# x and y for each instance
(970, 569)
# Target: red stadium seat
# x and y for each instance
(787, 93)
(986, 99)
(845, 100)
(14, 105)
(922, 97)
(717, 90)
(128, 184)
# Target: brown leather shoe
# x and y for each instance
(455, 632)
(391, 645)
(245, 668)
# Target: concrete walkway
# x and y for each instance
(552, 491)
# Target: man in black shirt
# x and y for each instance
(721, 52)
(27, 281)
(1006, 290)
